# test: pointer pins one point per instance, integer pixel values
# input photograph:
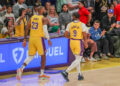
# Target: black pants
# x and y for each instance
(103, 46)
(110, 42)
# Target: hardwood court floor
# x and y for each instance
(103, 73)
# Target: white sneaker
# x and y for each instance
(19, 74)
(83, 60)
(93, 59)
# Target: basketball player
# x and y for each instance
(77, 35)
(38, 30)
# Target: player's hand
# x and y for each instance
(49, 43)
(24, 43)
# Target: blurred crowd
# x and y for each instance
(101, 16)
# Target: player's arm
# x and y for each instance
(45, 22)
(85, 30)
(67, 32)
(26, 33)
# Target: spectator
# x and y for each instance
(35, 9)
(7, 2)
(108, 23)
(73, 5)
(115, 3)
(103, 12)
(53, 20)
(99, 37)
(85, 15)
(30, 3)
(9, 14)
(21, 23)
(111, 6)
(59, 5)
(93, 47)
(116, 38)
(38, 2)
(47, 6)
(2, 10)
(7, 30)
(92, 11)
(97, 9)
(109, 2)
(89, 3)
(117, 12)
(17, 6)
(104, 3)
(64, 17)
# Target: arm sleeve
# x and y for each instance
(67, 29)
(46, 32)
(84, 28)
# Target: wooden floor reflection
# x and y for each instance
(100, 77)
(103, 73)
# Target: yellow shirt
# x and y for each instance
(36, 26)
(19, 29)
(76, 30)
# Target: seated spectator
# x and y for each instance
(99, 37)
(108, 23)
(7, 30)
(64, 17)
(17, 6)
(35, 9)
(53, 20)
(47, 6)
(103, 12)
(115, 33)
(93, 47)
(9, 14)
(21, 23)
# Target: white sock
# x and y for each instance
(27, 61)
(79, 69)
(74, 63)
(42, 72)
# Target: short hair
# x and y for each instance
(40, 7)
(9, 6)
(97, 21)
(20, 11)
(82, 1)
(76, 14)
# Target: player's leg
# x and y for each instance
(32, 52)
(41, 51)
(76, 51)
(79, 50)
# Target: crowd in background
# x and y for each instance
(101, 16)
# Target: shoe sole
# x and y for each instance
(65, 77)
